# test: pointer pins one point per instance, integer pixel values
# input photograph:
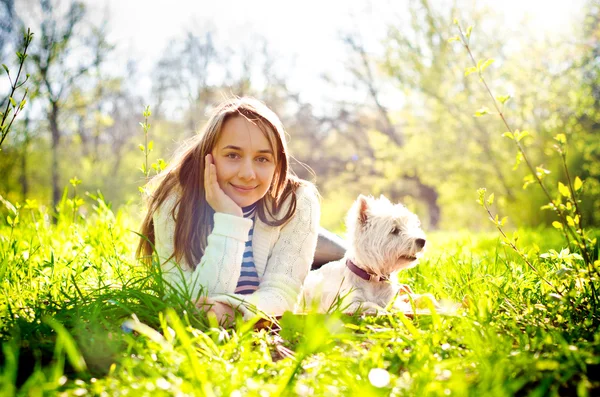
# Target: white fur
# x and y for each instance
(374, 248)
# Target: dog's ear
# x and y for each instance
(363, 206)
(383, 198)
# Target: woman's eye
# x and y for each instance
(232, 155)
(263, 160)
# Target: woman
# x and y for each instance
(232, 226)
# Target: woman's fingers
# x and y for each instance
(210, 181)
(215, 196)
(224, 313)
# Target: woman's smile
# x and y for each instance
(244, 160)
(243, 189)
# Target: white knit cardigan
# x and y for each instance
(282, 256)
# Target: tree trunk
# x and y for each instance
(23, 177)
(53, 119)
(424, 193)
(430, 196)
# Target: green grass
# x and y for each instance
(67, 288)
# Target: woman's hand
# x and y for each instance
(224, 313)
(215, 197)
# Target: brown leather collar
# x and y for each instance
(363, 274)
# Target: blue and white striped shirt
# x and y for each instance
(248, 281)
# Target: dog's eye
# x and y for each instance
(395, 230)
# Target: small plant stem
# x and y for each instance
(584, 251)
(14, 86)
(514, 247)
(563, 156)
(560, 214)
(74, 202)
(146, 171)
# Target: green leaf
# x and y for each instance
(9, 205)
(520, 135)
(5, 68)
(481, 195)
(557, 225)
(30, 204)
(561, 138)
(509, 135)
(66, 341)
(142, 147)
(74, 181)
(563, 190)
(490, 199)
(570, 221)
(469, 30)
(481, 112)
(541, 172)
(518, 159)
(483, 65)
(528, 180)
(470, 70)
(453, 39)
(577, 184)
(12, 102)
(503, 98)
(150, 146)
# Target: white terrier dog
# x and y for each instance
(384, 238)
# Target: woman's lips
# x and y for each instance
(243, 189)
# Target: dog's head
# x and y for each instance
(384, 237)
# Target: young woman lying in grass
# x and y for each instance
(234, 229)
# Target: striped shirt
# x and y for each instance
(248, 281)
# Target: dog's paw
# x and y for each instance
(421, 301)
(364, 308)
(404, 289)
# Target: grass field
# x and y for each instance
(68, 288)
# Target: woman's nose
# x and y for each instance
(246, 171)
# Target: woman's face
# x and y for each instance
(244, 160)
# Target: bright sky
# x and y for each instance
(304, 35)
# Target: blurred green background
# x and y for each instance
(373, 95)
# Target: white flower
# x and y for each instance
(379, 377)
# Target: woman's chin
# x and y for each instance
(243, 201)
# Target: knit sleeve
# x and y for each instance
(219, 267)
(289, 262)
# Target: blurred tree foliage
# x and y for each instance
(406, 129)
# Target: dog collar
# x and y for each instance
(363, 274)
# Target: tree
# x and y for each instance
(7, 17)
(61, 61)
(182, 76)
(585, 126)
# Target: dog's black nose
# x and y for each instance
(420, 242)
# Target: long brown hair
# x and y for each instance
(183, 180)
